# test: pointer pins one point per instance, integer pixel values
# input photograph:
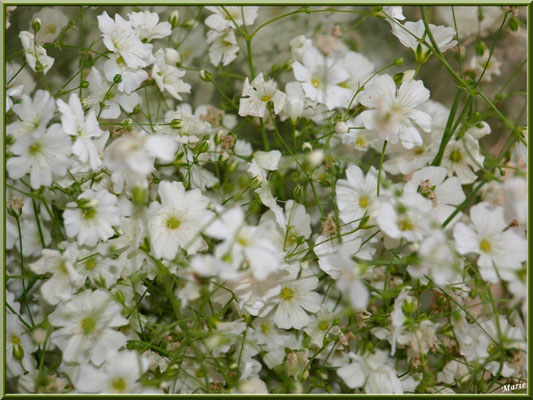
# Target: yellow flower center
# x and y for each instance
(363, 201)
(15, 339)
(35, 148)
(173, 223)
(90, 263)
(315, 82)
(88, 325)
(118, 384)
(323, 325)
(485, 246)
(405, 225)
(286, 293)
(242, 241)
(456, 155)
(266, 98)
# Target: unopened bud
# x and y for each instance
(398, 62)
(315, 158)
(176, 123)
(117, 78)
(39, 336)
(341, 127)
(36, 25)
(84, 84)
(18, 352)
(139, 195)
(172, 56)
(203, 147)
(398, 78)
(174, 19)
(306, 147)
(480, 47)
(298, 193)
(206, 76)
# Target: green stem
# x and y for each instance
(381, 164)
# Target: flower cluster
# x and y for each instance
(244, 199)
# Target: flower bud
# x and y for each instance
(341, 127)
(206, 76)
(398, 62)
(480, 47)
(18, 352)
(172, 56)
(176, 123)
(514, 24)
(297, 193)
(36, 25)
(232, 166)
(84, 84)
(315, 158)
(398, 78)
(139, 195)
(39, 336)
(174, 19)
(306, 147)
(203, 147)
(117, 78)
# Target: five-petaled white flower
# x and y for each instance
(393, 112)
(257, 95)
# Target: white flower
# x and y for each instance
(120, 374)
(359, 70)
(393, 113)
(168, 77)
(64, 280)
(220, 20)
(407, 217)
(318, 325)
(193, 126)
(44, 155)
(264, 161)
(36, 56)
(13, 90)
(320, 77)
(147, 26)
(373, 372)
(410, 33)
(131, 157)
(295, 296)
(18, 343)
(86, 323)
(93, 219)
(34, 114)
(299, 45)
(491, 66)
(438, 260)
(515, 192)
(445, 194)
(406, 161)
(132, 78)
(463, 158)
(347, 274)
(395, 12)
(53, 20)
(258, 94)
(244, 243)
(119, 37)
(356, 196)
(223, 48)
(101, 91)
(177, 221)
(501, 251)
(83, 128)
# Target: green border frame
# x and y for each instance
(5, 3)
